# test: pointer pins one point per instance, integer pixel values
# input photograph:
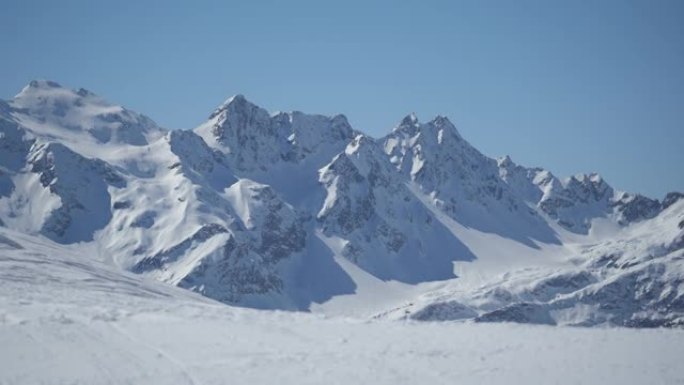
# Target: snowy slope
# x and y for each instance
(65, 318)
(384, 228)
(301, 212)
(634, 279)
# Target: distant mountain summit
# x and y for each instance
(302, 212)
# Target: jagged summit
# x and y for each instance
(593, 177)
(410, 125)
(442, 122)
(237, 98)
(505, 161)
(234, 104)
(255, 140)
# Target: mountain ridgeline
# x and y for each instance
(291, 210)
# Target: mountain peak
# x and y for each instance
(43, 84)
(410, 119)
(237, 98)
(408, 124)
(505, 161)
(442, 123)
(39, 87)
(51, 110)
(237, 101)
(234, 103)
(411, 125)
(593, 178)
(48, 89)
(441, 120)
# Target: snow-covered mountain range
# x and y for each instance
(302, 212)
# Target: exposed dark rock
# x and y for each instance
(520, 313)
(444, 311)
(671, 198)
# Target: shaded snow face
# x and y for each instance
(298, 211)
(463, 183)
(387, 230)
(82, 186)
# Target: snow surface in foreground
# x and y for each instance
(67, 319)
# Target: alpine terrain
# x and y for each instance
(345, 243)
(294, 211)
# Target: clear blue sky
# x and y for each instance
(573, 86)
